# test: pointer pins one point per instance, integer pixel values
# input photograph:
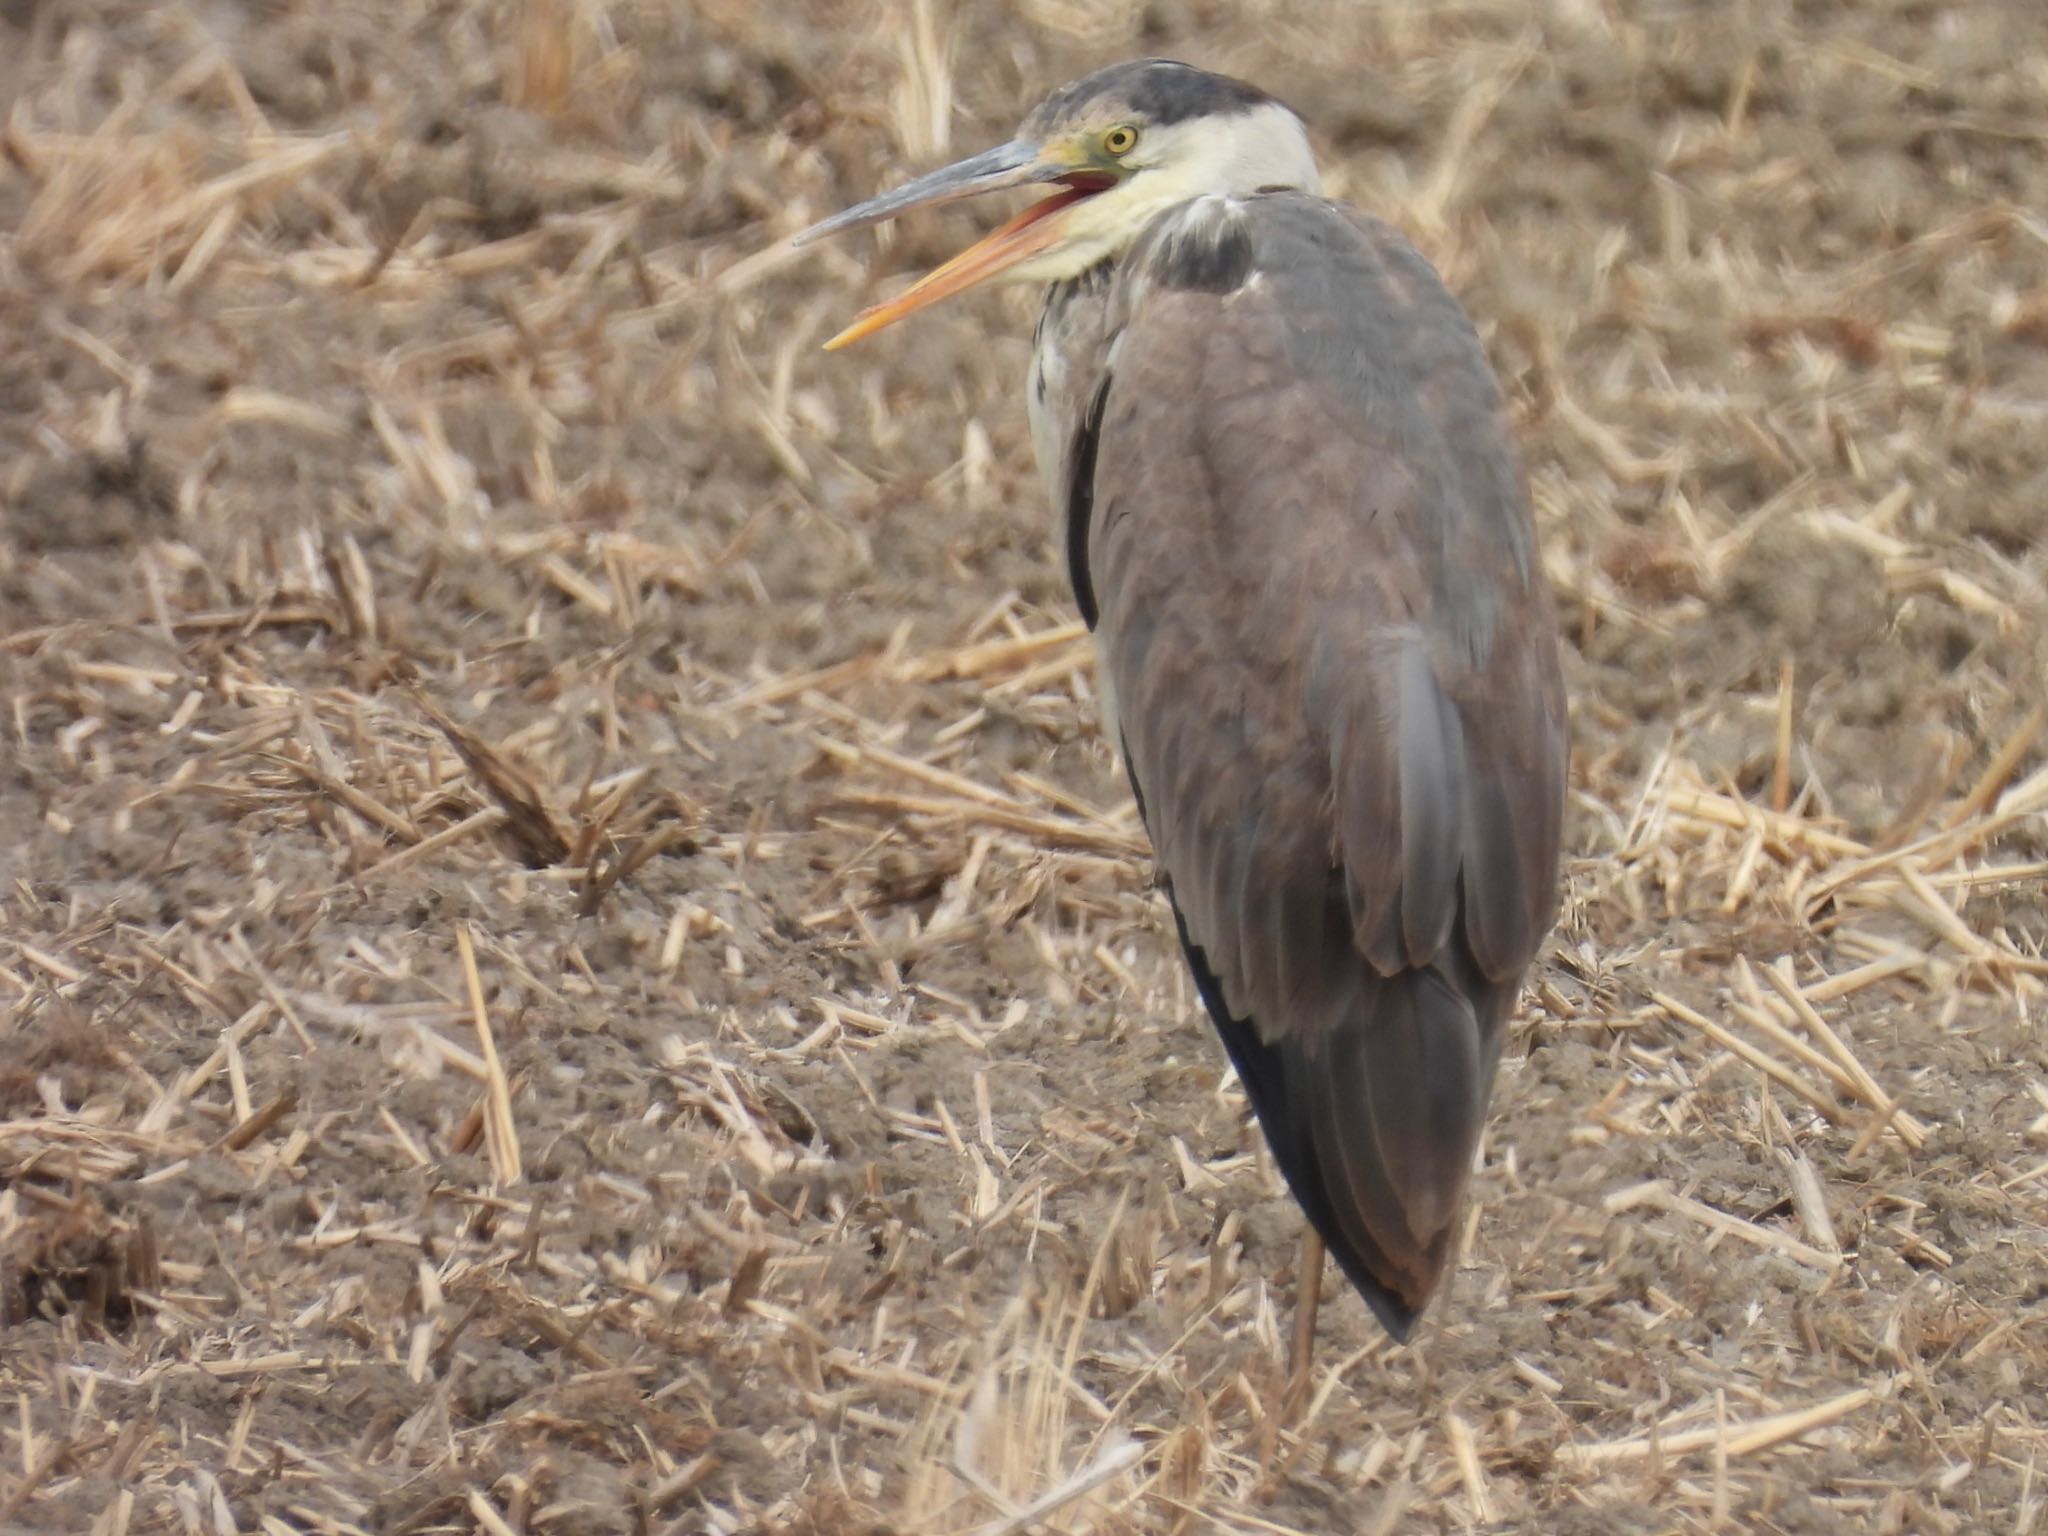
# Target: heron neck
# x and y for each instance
(1069, 351)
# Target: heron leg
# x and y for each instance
(1308, 1296)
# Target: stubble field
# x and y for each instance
(573, 962)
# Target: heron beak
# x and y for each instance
(1036, 229)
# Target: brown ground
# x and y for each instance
(427, 528)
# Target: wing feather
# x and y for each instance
(1429, 759)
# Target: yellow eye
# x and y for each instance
(1120, 140)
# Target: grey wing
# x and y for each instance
(1320, 610)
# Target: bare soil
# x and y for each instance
(573, 961)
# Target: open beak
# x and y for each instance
(1036, 229)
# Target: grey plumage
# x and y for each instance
(1319, 613)
(1296, 525)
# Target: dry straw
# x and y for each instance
(529, 1010)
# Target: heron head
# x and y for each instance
(1121, 146)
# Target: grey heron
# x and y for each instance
(1298, 528)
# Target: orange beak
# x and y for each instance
(1036, 229)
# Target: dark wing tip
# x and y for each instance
(1394, 1314)
(1395, 1306)
(1324, 1152)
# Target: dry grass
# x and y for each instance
(573, 963)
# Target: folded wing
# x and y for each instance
(1313, 574)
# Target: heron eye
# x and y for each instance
(1120, 140)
